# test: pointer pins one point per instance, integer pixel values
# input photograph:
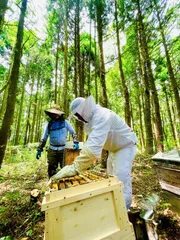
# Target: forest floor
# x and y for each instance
(23, 219)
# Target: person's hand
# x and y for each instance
(38, 154)
(76, 145)
(67, 171)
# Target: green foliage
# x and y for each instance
(16, 210)
(13, 195)
(164, 205)
(3, 72)
(6, 238)
(29, 232)
(39, 61)
(8, 37)
(18, 154)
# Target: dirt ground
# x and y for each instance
(21, 217)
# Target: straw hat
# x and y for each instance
(54, 110)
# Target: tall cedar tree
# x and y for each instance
(99, 16)
(147, 62)
(168, 59)
(147, 105)
(13, 81)
(125, 89)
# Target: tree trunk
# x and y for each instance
(35, 111)
(38, 119)
(125, 89)
(139, 101)
(169, 115)
(3, 105)
(104, 98)
(60, 87)
(78, 54)
(5, 89)
(147, 62)
(147, 106)
(152, 86)
(75, 58)
(169, 65)
(79, 124)
(56, 67)
(27, 128)
(13, 81)
(65, 88)
(20, 115)
(3, 8)
(89, 63)
(95, 63)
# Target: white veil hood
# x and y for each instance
(85, 108)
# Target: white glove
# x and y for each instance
(67, 171)
(84, 160)
(81, 163)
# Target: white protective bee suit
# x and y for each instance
(105, 130)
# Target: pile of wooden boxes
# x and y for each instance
(89, 206)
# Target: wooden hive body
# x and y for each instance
(168, 171)
(93, 211)
(70, 153)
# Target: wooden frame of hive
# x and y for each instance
(168, 171)
(93, 211)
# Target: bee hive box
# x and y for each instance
(89, 206)
(71, 153)
(167, 165)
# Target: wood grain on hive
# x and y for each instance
(89, 206)
(70, 153)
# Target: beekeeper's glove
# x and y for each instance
(40, 148)
(76, 145)
(38, 154)
(81, 163)
(67, 171)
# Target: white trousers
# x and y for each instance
(119, 164)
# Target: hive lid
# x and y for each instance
(171, 156)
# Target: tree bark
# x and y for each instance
(56, 66)
(27, 128)
(32, 135)
(20, 114)
(95, 63)
(13, 81)
(147, 64)
(78, 54)
(125, 89)
(99, 13)
(89, 63)
(169, 114)
(147, 106)
(169, 65)
(75, 57)
(3, 105)
(65, 88)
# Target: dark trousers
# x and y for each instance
(54, 157)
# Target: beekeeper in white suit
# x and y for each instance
(105, 130)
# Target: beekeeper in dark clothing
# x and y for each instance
(57, 129)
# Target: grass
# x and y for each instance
(21, 172)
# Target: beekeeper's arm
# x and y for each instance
(91, 151)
